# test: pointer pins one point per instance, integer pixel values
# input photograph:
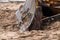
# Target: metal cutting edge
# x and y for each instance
(29, 4)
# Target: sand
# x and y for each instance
(10, 31)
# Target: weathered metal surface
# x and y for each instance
(26, 14)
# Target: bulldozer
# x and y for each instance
(36, 13)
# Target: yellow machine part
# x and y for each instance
(37, 4)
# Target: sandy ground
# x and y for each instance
(9, 31)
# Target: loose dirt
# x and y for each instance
(9, 30)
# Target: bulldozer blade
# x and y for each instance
(22, 14)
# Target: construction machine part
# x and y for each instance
(48, 20)
(25, 14)
(54, 5)
(49, 11)
(36, 23)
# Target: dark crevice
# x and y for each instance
(39, 25)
